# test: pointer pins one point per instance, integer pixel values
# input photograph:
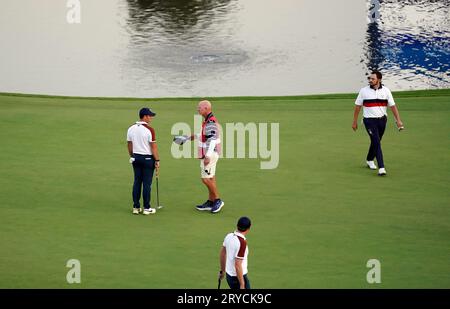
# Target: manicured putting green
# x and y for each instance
(65, 193)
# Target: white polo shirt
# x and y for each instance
(141, 135)
(375, 101)
(236, 248)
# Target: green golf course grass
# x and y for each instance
(65, 193)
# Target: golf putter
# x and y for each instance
(219, 280)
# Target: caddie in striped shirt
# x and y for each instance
(209, 150)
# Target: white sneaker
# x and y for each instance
(137, 211)
(149, 211)
(382, 172)
(371, 165)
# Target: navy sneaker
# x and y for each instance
(217, 206)
(205, 206)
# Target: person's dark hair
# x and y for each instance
(243, 224)
(377, 73)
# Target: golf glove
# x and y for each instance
(132, 160)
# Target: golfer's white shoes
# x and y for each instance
(137, 211)
(382, 172)
(149, 211)
(371, 165)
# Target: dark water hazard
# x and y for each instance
(161, 48)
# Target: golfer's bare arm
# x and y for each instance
(394, 110)
(239, 272)
(155, 153)
(355, 117)
(130, 148)
(222, 258)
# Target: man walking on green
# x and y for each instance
(375, 98)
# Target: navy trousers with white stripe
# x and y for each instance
(143, 167)
(375, 128)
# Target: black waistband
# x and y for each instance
(234, 277)
(141, 155)
(384, 117)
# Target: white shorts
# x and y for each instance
(209, 171)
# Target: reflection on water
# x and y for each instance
(161, 48)
(177, 34)
(174, 20)
(374, 56)
(411, 43)
(179, 47)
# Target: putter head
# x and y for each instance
(159, 207)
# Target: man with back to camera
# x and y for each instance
(143, 151)
(375, 98)
(234, 255)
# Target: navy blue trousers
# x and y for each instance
(143, 167)
(375, 128)
(233, 282)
